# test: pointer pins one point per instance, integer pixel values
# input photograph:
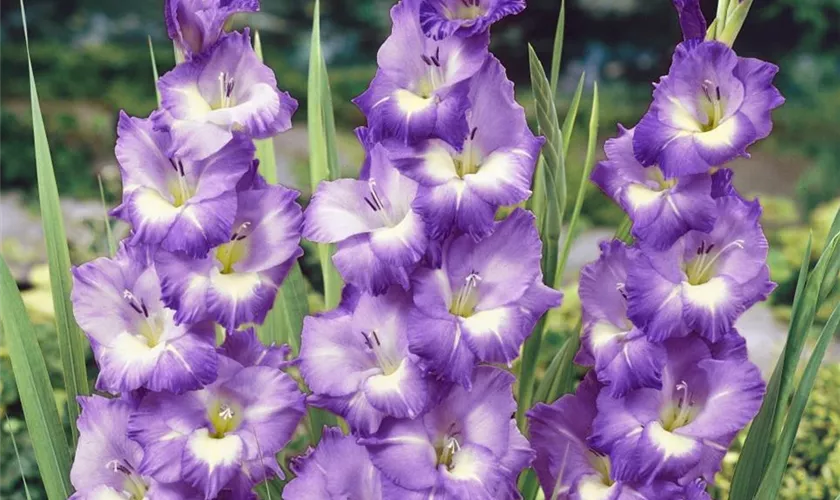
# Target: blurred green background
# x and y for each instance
(91, 59)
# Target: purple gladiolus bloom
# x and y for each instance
(356, 361)
(380, 236)
(706, 280)
(443, 18)
(219, 91)
(493, 165)
(337, 468)
(195, 25)
(222, 436)
(420, 88)
(466, 447)
(483, 302)
(106, 461)
(662, 209)
(245, 348)
(692, 22)
(135, 339)
(681, 431)
(237, 283)
(623, 357)
(178, 204)
(570, 468)
(710, 107)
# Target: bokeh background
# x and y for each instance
(91, 58)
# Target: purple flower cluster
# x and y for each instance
(210, 244)
(437, 287)
(671, 384)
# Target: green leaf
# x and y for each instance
(109, 235)
(284, 322)
(571, 116)
(323, 157)
(833, 269)
(20, 465)
(557, 49)
(760, 442)
(42, 421)
(584, 182)
(549, 222)
(624, 229)
(541, 395)
(70, 340)
(154, 67)
(265, 147)
(529, 486)
(773, 477)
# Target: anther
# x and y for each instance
(367, 340)
(226, 412)
(472, 133)
(239, 234)
(375, 337)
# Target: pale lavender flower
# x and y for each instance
(237, 283)
(135, 338)
(420, 88)
(106, 461)
(177, 203)
(443, 18)
(483, 302)
(681, 431)
(709, 108)
(662, 209)
(220, 91)
(464, 183)
(223, 436)
(195, 25)
(623, 358)
(380, 237)
(356, 361)
(705, 281)
(467, 446)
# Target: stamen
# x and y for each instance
(239, 234)
(370, 204)
(464, 302)
(135, 304)
(621, 289)
(117, 466)
(472, 133)
(426, 60)
(226, 412)
(367, 340)
(375, 337)
(377, 204)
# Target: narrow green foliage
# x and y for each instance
(584, 183)
(557, 49)
(323, 157)
(109, 235)
(20, 465)
(70, 340)
(265, 147)
(285, 320)
(154, 67)
(549, 222)
(772, 481)
(571, 116)
(623, 231)
(764, 431)
(833, 269)
(42, 421)
(529, 486)
(550, 375)
(565, 381)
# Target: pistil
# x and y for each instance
(385, 362)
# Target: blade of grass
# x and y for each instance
(623, 231)
(557, 48)
(833, 269)
(30, 370)
(758, 447)
(70, 341)
(772, 481)
(549, 224)
(20, 465)
(154, 67)
(584, 183)
(571, 116)
(109, 235)
(323, 158)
